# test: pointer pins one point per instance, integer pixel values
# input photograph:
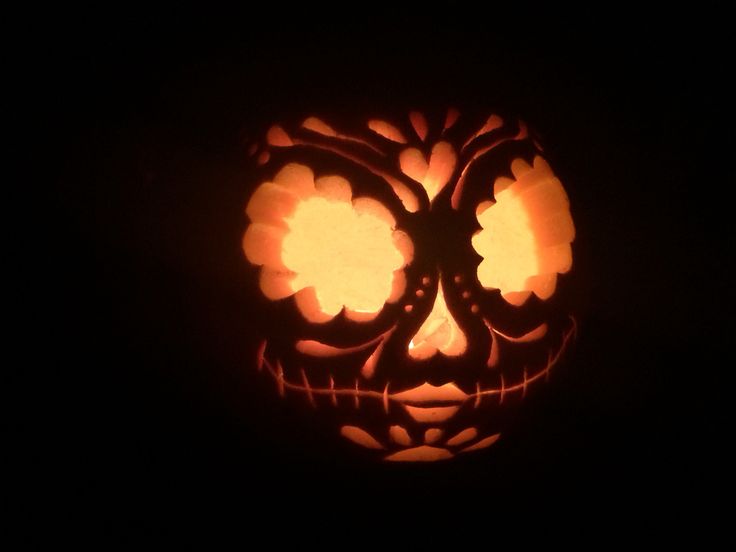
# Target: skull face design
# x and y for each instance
(416, 273)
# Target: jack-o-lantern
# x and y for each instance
(417, 270)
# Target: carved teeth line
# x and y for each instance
(307, 388)
(385, 397)
(278, 374)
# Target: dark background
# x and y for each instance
(148, 118)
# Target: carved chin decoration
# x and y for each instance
(417, 270)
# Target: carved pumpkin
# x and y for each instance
(416, 270)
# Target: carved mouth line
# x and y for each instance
(408, 397)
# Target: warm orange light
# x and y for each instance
(439, 332)
(423, 453)
(399, 435)
(526, 234)
(433, 176)
(434, 414)
(334, 251)
(463, 437)
(387, 130)
(429, 393)
(360, 436)
(341, 255)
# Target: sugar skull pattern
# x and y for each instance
(418, 269)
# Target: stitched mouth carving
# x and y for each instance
(417, 272)
(425, 404)
(423, 395)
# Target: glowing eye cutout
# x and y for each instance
(331, 250)
(526, 234)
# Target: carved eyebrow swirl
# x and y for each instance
(330, 141)
(471, 157)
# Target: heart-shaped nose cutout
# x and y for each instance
(440, 332)
(433, 176)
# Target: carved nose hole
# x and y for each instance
(440, 332)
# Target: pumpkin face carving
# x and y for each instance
(417, 270)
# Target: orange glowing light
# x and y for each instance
(322, 239)
(387, 130)
(439, 332)
(331, 250)
(433, 176)
(526, 234)
(424, 453)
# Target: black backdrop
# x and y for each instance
(148, 119)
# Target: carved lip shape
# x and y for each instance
(428, 393)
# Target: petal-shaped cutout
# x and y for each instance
(519, 168)
(485, 267)
(360, 437)
(441, 166)
(370, 206)
(277, 136)
(299, 179)
(526, 182)
(407, 197)
(334, 252)
(413, 164)
(419, 122)
(452, 116)
(555, 230)
(547, 197)
(403, 243)
(310, 307)
(262, 245)
(502, 183)
(463, 437)
(276, 284)
(317, 125)
(423, 453)
(483, 443)
(270, 204)
(526, 234)
(335, 188)
(345, 251)
(492, 123)
(398, 286)
(386, 130)
(506, 278)
(542, 167)
(432, 435)
(543, 285)
(399, 435)
(516, 298)
(557, 258)
(483, 206)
